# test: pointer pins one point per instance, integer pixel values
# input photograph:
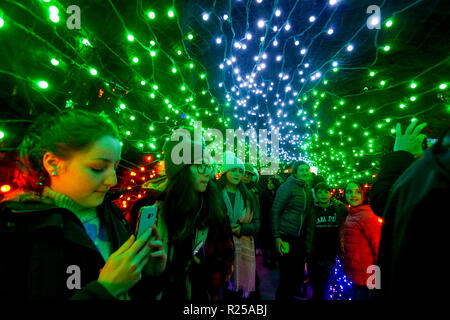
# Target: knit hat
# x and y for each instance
(174, 157)
(250, 168)
(230, 161)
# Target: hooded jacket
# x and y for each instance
(362, 230)
(44, 244)
(291, 205)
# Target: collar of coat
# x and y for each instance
(363, 207)
(292, 179)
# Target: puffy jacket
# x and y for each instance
(40, 242)
(362, 230)
(291, 206)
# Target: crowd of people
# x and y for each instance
(204, 241)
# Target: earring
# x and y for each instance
(54, 173)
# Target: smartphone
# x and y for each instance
(146, 219)
(428, 143)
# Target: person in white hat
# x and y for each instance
(243, 213)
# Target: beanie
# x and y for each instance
(250, 168)
(175, 159)
(230, 161)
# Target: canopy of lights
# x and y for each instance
(334, 77)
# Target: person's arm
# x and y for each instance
(310, 225)
(371, 228)
(392, 167)
(407, 147)
(252, 228)
(279, 203)
(93, 291)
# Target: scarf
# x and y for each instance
(244, 274)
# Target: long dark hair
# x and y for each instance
(62, 134)
(184, 208)
(246, 194)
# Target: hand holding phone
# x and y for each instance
(146, 219)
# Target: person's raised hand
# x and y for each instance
(123, 268)
(411, 140)
(279, 246)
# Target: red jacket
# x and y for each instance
(362, 230)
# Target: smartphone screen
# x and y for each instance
(146, 219)
(428, 143)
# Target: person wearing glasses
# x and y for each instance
(194, 229)
(241, 207)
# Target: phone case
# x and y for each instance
(146, 219)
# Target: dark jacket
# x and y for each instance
(266, 201)
(40, 242)
(291, 206)
(362, 230)
(206, 278)
(391, 168)
(310, 225)
(414, 239)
